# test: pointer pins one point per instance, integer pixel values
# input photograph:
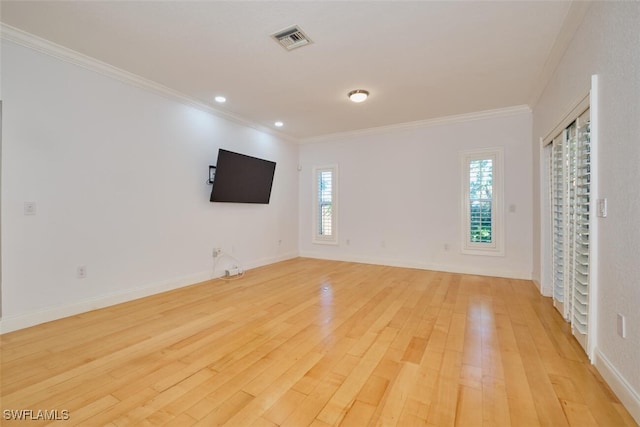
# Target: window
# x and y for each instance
(325, 205)
(482, 202)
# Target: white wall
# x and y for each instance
(607, 44)
(403, 188)
(118, 175)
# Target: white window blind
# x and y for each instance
(481, 221)
(325, 204)
(482, 202)
(325, 200)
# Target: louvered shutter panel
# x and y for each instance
(481, 218)
(571, 143)
(581, 201)
(325, 229)
(558, 219)
(325, 201)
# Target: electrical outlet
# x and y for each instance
(81, 272)
(29, 208)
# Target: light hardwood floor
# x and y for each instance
(314, 343)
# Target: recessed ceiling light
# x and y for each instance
(220, 99)
(358, 95)
(278, 124)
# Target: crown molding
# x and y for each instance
(60, 52)
(438, 121)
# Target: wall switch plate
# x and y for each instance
(601, 208)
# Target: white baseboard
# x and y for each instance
(271, 260)
(21, 321)
(461, 269)
(629, 397)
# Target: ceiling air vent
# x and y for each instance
(291, 38)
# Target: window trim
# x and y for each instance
(317, 237)
(495, 248)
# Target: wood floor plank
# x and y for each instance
(308, 342)
(495, 403)
(359, 414)
(339, 403)
(414, 413)
(267, 398)
(547, 404)
(285, 406)
(311, 406)
(397, 395)
(442, 411)
(578, 414)
(469, 407)
(520, 396)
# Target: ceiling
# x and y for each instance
(419, 60)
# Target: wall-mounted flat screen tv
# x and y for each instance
(242, 179)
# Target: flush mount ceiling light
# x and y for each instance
(358, 95)
(220, 99)
(278, 124)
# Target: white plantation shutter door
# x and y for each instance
(581, 218)
(570, 190)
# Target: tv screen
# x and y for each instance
(242, 179)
